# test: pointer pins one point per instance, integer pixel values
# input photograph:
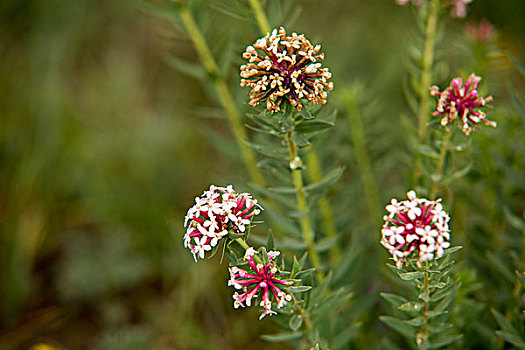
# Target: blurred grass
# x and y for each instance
(103, 147)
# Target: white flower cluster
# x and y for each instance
(415, 225)
(219, 211)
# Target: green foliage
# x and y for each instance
(423, 320)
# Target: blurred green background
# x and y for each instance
(103, 147)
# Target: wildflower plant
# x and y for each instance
(288, 88)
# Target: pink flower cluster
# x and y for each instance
(463, 101)
(416, 225)
(219, 211)
(459, 7)
(260, 281)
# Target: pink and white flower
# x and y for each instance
(461, 101)
(219, 211)
(260, 281)
(416, 226)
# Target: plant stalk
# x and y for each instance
(223, 92)
(363, 161)
(302, 207)
(441, 162)
(260, 16)
(315, 173)
(327, 215)
(422, 335)
(426, 78)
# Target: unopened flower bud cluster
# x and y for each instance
(416, 226)
(217, 212)
(282, 67)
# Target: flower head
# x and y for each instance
(282, 67)
(418, 226)
(483, 32)
(459, 8)
(259, 281)
(217, 212)
(463, 101)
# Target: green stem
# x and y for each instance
(426, 78)
(441, 162)
(315, 173)
(260, 16)
(302, 207)
(422, 335)
(223, 92)
(363, 161)
(245, 246)
(327, 216)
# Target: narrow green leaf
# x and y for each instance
(416, 322)
(503, 323)
(269, 241)
(434, 313)
(295, 322)
(399, 326)
(444, 341)
(269, 150)
(514, 220)
(512, 338)
(325, 244)
(312, 126)
(191, 69)
(327, 181)
(305, 272)
(321, 289)
(299, 140)
(232, 235)
(282, 189)
(306, 114)
(428, 151)
(298, 289)
(231, 255)
(521, 277)
(520, 66)
(447, 300)
(284, 336)
(500, 266)
(409, 276)
(411, 306)
(439, 327)
(457, 175)
(394, 300)
(295, 267)
(341, 340)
